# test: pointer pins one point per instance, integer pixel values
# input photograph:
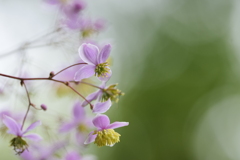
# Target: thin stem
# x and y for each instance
(91, 106)
(29, 103)
(49, 79)
(67, 68)
(27, 44)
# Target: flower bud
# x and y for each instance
(51, 74)
(44, 107)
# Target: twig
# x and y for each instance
(29, 103)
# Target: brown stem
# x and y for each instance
(91, 106)
(29, 103)
(48, 79)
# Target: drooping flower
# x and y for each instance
(105, 93)
(15, 116)
(18, 144)
(85, 25)
(96, 62)
(105, 134)
(79, 122)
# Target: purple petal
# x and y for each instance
(104, 54)
(101, 121)
(102, 107)
(26, 155)
(32, 126)
(91, 138)
(33, 136)
(78, 112)
(80, 138)
(117, 125)
(72, 156)
(107, 77)
(49, 151)
(12, 125)
(84, 72)
(67, 127)
(88, 53)
(91, 97)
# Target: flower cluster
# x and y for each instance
(74, 19)
(90, 71)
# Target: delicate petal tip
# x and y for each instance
(102, 107)
(72, 156)
(88, 53)
(104, 54)
(84, 72)
(91, 97)
(117, 125)
(67, 127)
(33, 137)
(91, 138)
(101, 121)
(32, 126)
(106, 77)
(12, 125)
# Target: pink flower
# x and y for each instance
(85, 25)
(104, 94)
(105, 135)
(73, 9)
(96, 62)
(79, 122)
(14, 128)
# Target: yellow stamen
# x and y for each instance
(106, 137)
(102, 70)
(111, 92)
(82, 128)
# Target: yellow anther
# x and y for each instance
(82, 128)
(106, 137)
(102, 70)
(111, 92)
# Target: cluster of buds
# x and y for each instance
(93, 62)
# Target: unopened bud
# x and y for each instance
(44, 107)
(51, 75)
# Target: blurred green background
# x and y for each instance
(180, 72)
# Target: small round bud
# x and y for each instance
(44, 107)
(67, 83)
(51, 75)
